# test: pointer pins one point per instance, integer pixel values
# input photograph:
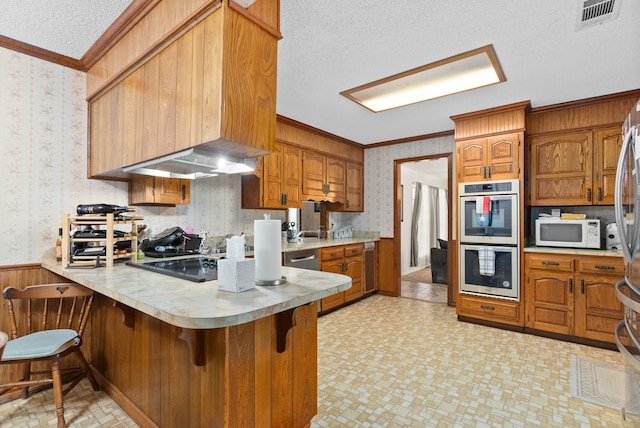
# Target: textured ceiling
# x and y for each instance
(331, 45)
(67, 27)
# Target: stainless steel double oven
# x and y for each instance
(489, 237)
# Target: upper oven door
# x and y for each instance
(500, 227)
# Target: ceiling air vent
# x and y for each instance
(592, 12)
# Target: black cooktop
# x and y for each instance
(198, 269)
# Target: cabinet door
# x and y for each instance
(606, 150)
(561, 169)
(335, 300)
(502, 156)
(313, 175)
(171, 191)
(597, 309)
(335, 179)
(471, 160)
(355, 193)
(272, 178)
(549, 301)
(354, 269)
(292, 176)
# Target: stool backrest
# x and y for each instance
(48, 307)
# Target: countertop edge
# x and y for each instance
(574, 251)
(294, 294)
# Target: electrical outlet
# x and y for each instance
(247, 229)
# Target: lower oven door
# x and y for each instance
(490, 270)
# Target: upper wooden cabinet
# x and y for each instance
(575, 168)
(323, 177)
(490, 143)
(491, 158)
(355, 187)
(278, 181)
(209, 81)
(145, 190)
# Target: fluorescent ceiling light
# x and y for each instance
(469, 70)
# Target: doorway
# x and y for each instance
(422, 225)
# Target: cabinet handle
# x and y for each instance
(605, 267)
(550, 263)
(484, 172)
(489, 171)
(487, 308)
(599, 193)
(589, 195)
(582, 286)
(570, 285)
(184, 192)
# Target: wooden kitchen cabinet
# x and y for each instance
(489, 158)
(146, 190)
(171, 96)
(573, 296)
(323, 177)
(575, 168)
(355, 187)
(278, 181)
(345, 260)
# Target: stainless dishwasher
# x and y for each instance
(303, 259)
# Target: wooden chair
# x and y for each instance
(53, 318)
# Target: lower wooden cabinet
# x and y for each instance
(345, 260)
(573, 296)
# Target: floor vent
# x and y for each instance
(593, 12)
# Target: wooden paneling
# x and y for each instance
(244, 381)
(492, 121)
(159, 23)
(296, 133)
(600, 111)
(388, 278)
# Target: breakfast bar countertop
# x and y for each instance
(201, 305)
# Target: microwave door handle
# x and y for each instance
(620, 220)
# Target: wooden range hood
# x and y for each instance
(186, 74)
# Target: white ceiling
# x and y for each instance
(332, 45)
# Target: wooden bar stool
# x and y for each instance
(52, 319)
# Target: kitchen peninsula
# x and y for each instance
(176, 353)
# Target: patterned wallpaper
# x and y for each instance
(378, 178)
(43, 135)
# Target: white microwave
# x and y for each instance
(555, 232)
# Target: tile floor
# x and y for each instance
(405, 363)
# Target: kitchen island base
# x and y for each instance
(261, 373)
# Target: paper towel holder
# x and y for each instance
(271, 282)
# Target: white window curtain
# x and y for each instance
(428, 222)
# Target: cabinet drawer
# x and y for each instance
(352, 250)
(550, 262)
(602, 265)
(331, 253)
(494, 310)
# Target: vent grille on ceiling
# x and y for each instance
(592, 12)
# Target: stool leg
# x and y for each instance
(87, 370)
(57, 392)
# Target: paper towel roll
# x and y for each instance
(267, 249)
